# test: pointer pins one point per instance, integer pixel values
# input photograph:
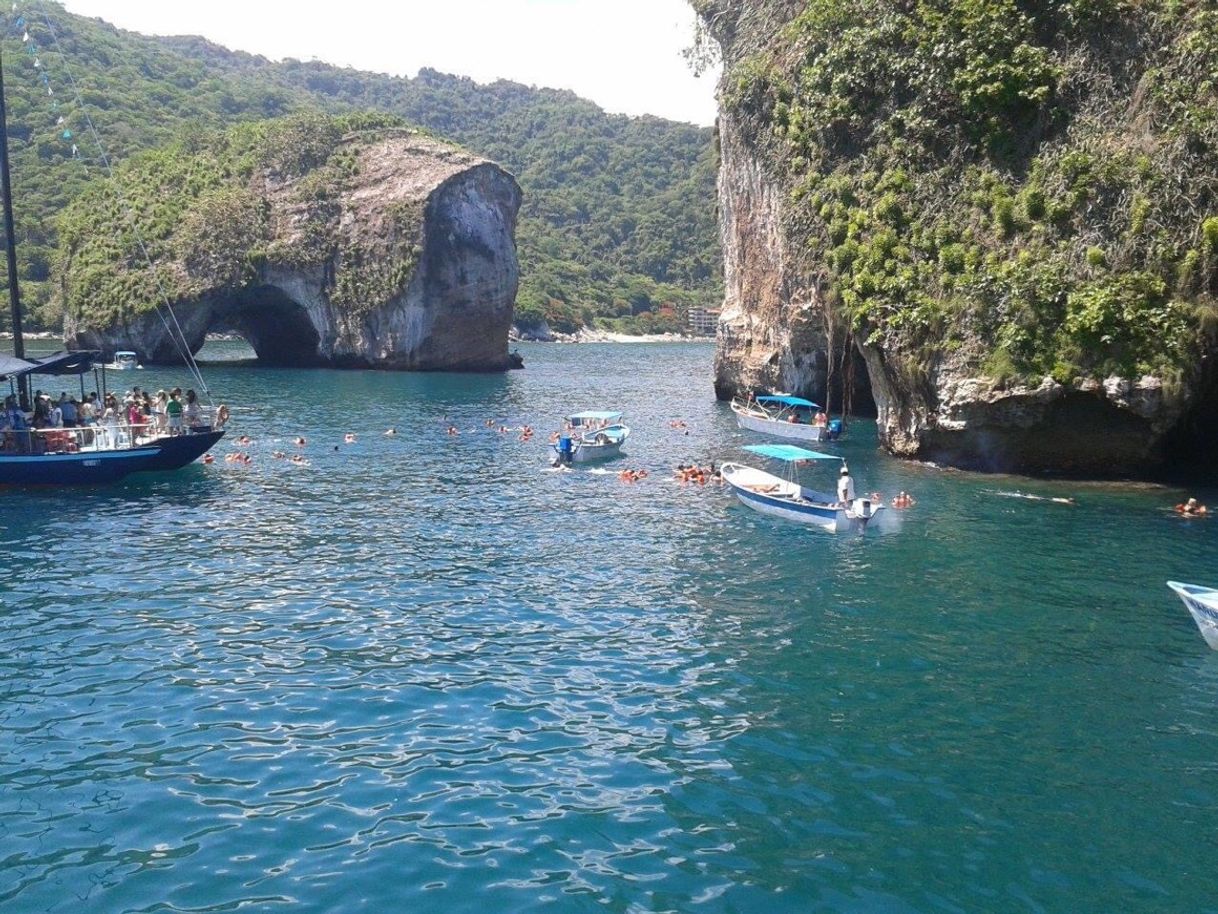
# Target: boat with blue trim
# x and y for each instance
(1202, 604)
(789, 500)
(785, 417)
(93, 453)
(590, 436)
(35, 451)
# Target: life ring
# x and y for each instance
(221, 417)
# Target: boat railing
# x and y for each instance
(86, 438)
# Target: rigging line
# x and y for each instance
(180, 340)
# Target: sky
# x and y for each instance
(625, 55)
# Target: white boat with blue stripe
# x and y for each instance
(590, 436)
(789, 500)
(785, 417)
(1202, 603)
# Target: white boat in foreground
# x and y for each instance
(1202, 603)
(590, 436)
(787, 499)
(785, 417)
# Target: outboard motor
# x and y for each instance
(835, 429)
(566, 450)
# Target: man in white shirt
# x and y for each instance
(845, 487)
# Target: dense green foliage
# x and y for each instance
(618, 213)
(205, 225)
(1032, 184)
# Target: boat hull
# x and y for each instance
(796, 431)
(588, 450)
(1202, 605)
(104, 466)
(770, 495)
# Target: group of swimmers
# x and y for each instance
(697, 474)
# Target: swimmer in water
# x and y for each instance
(390, 432)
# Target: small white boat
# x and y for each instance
(1202, 603)
(124, 361)
(590, 436)
(787, 499)
(785, 417)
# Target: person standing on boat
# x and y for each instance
(845, 487)
(173, 413)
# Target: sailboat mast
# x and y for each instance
(10, 238)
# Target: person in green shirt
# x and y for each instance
(173, 409)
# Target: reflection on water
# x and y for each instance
(423, 672)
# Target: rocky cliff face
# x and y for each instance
(772, 331)
(1021, 295)
(389, 249)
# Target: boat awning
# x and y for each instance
(594, 415)
(788, 452)
(12, 367)
(67, 363)
(788, 401)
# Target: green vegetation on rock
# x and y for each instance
(1031, 184)
(204, 221)
(618, 218)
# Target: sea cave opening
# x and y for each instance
(274, 325)
(1190, 446)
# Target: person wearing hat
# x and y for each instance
(845, 487)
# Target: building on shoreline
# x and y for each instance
(703, 321)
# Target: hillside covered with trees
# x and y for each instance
(618, 219)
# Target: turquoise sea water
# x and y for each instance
(422, 673)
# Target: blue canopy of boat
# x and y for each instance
(788, 401)
(58, 364)
(598, 416)
(14, 367)
(62, 363)
(788, 452)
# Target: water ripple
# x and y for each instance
(424, 673)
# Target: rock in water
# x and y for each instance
(320, 241)
(951, 187)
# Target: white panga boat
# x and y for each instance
(589, 436)
(785, 417)
(1202, 603)
(125, 361)
(787, 499)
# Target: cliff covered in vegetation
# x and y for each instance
(1012, 208)
(345, 241)
(618, 220)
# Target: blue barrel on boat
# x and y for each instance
(835, 428)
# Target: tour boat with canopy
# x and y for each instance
(590, 436)
(788, 499)
(125, 361)
(785, 417)
(97, 453)
(1202, 604)
(92, 453)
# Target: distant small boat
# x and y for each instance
(1202, 603)
(590, 436)
(786, 498)
(125, 361)
(785, 417)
